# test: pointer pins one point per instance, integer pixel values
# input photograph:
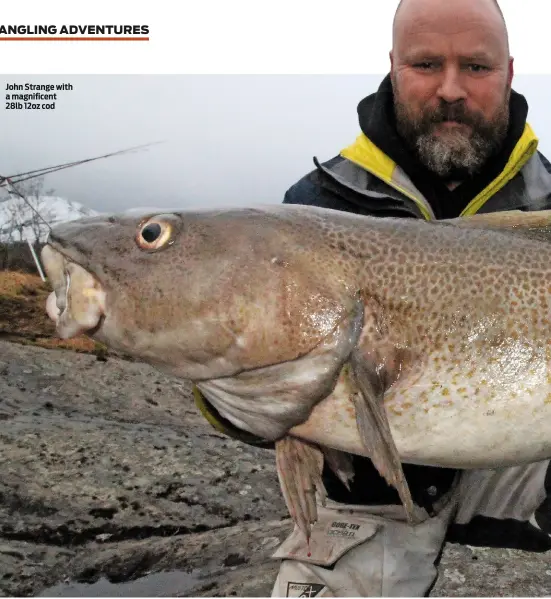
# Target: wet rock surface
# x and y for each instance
(113, 484)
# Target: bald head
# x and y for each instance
(410, 11)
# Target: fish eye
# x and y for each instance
(151, 232)
(153, 235)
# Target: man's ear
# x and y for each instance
(511, 72)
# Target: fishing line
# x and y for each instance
(5, 181)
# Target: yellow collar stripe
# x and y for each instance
(368, 156)
(522, 152)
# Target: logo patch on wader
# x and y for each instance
(304, 589)
(345, 530)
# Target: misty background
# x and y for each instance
(228, 139)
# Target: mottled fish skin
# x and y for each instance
(469, 311)
(456, 320)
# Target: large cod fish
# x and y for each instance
(330, 333)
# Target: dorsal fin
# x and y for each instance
(533, 225)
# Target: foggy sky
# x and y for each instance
(229, 139)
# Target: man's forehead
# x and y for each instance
(462, 38)
(483, 47)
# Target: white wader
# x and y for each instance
(370, 551)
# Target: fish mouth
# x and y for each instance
(77, 302)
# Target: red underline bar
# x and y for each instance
(74, 39)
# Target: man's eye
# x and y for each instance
(425, 66)
(477, 68)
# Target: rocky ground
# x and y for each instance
(112, 483)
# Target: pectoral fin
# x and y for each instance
(299, 469)
(375, 430)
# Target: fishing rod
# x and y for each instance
(20, 177)
(11, 180)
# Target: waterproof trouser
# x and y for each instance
(371, 551)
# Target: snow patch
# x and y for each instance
(19, 222)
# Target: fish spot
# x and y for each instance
(278, 261)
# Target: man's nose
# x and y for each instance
(451, 88)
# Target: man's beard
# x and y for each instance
(454, 153)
